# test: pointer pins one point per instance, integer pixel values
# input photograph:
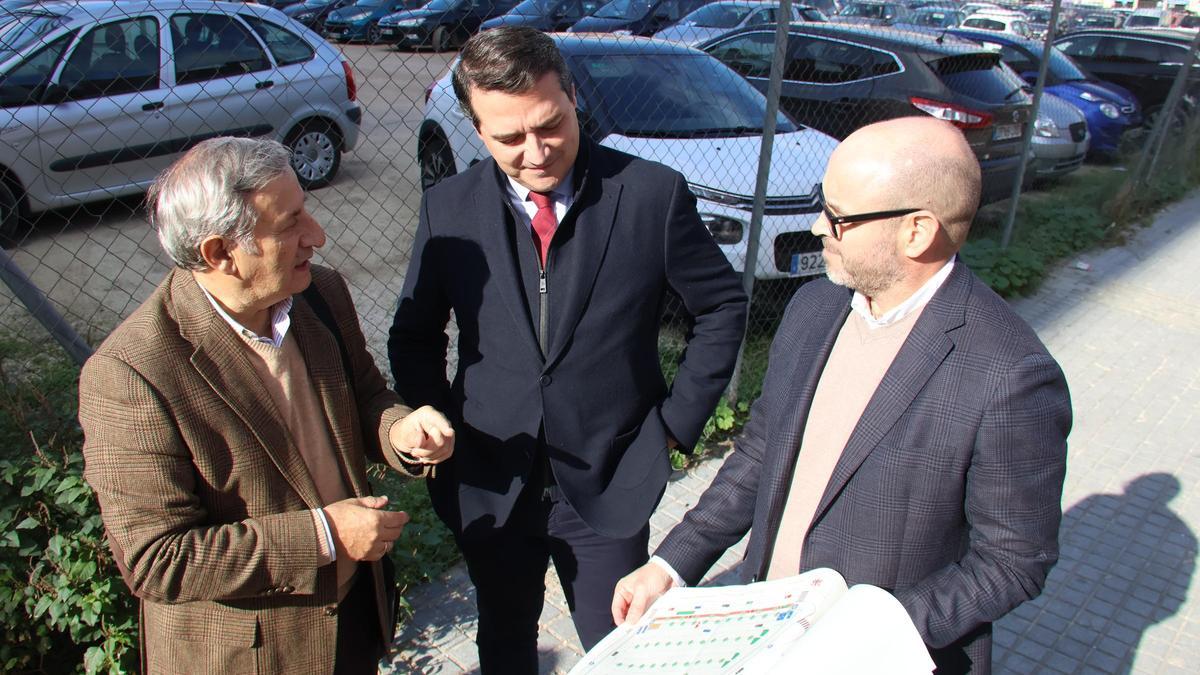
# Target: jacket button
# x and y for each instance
(330, 611)
(545, 380)
(287, 589)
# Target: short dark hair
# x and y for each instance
(508, 59)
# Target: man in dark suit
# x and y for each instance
(227, 424)
(912, 429)
(555, 256)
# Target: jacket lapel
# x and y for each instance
(220, 359)
(332, 386)
(491, 205)
(579, 251)
(923, 352)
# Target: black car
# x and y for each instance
(441, 24)
(312, 13)
(1144, 61)
(552, 16)
(838, 78)
(636, 17)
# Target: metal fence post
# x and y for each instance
(774, 86)
(1030, 127)
(37, 304)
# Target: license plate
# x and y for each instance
(387, 32)
(334, 32)
(414, 36)
(807, 264)
(1004, 132)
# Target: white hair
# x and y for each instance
(207, 193)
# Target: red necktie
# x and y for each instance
(544, 222)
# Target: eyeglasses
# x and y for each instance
(836, 222)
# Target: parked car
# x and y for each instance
(678, 106)
(1147, 18)
(869, 11)
(360, 21)
(1144, 61)
(1009, 23)
(839, 77)
(312, 13)
(716, 18)
(1060, 139)
(440, 24)
(551, 16)
(636, 17)
(932, 17)
(1110, 110)
(97, 98)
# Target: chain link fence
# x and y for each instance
(98, 99)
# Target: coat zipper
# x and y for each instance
(543, 307)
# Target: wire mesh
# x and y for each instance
(98, 98)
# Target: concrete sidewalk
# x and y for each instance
(1126, 330)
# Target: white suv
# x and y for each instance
(97, 98)
(665, 102)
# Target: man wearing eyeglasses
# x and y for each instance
(911, 433)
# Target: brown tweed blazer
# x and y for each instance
(203, 492)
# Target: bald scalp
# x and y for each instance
(916, 162)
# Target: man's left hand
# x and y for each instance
(425, 435)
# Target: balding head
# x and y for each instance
(911, 162)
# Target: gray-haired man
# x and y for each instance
(227, 424)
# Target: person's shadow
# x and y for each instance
(1125, 564)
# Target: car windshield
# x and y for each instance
(937, 18)
(26, 27)
(672, 96)
(863, 10)
(1064, 67)
(625, 9)
(717, 16)
(317, 4)
(442, 5)
(1037, 15)
(369, 4)
(535, 7)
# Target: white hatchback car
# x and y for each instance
(98, 97)
(681, 107)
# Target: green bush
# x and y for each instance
(62, 605)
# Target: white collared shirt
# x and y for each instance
(563, 196)
(281, 320)
(916, 301)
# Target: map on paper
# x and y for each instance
(745, 630)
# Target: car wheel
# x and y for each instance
(316, 154)
(10, 217)
(435, 159)
(374, 34)
(442, 39)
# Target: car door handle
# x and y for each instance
(156, 105)
(265, 84)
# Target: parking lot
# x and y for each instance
(99, 261)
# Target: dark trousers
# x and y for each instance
(359, 642)
(508, 568)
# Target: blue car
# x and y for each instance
(360, 21)
(1109, 108)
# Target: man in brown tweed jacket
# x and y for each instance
(227, 425)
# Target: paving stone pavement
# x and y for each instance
(1123, 323)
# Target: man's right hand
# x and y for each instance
(636, 591)
(361, 529)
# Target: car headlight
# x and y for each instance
(724, 230)
(1090, 97)
(1110, 111)
(1045, 127)
(408, 23)
(304, 16)
(358, 16)
(621, 32)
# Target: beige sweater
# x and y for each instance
(856, 365)
(285, 375)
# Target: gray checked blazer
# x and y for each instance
(948, 491)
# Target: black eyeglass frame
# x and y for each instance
(836, 221)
